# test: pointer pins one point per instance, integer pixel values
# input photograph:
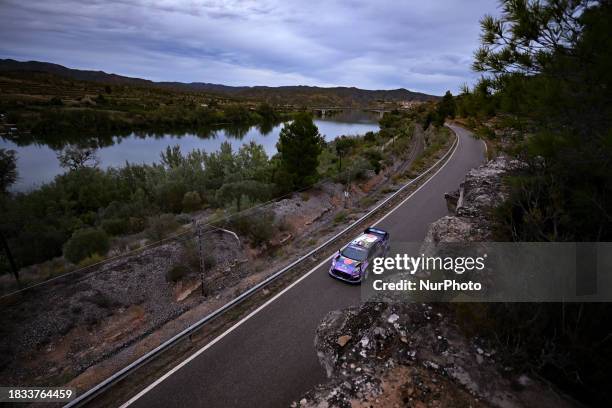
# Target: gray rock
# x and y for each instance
(436, 343)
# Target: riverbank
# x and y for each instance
(37, 161)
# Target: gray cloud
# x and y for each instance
(423, 46)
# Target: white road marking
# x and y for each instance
(222, 335)
(421, 186)
(254, 312)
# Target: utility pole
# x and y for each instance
(9, 256)
(200, 237)
(200, 255)
(347, 189)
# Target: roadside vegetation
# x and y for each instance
(87, 210)
(545, 99)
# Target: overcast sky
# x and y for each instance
(422, 45)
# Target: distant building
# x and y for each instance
(409, 104)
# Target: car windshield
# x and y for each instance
(353, 253)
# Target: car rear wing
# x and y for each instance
(376, 231)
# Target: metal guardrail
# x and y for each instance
(124, 372)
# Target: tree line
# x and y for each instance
(547, 76)
(88, 204)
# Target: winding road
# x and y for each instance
(268, 358)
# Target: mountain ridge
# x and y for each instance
(290, 94)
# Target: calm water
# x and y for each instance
(38, 163)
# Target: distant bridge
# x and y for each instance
(322, 110)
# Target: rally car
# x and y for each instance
(350, 264)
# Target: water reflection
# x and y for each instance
(37, 158)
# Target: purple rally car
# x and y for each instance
(351, 263)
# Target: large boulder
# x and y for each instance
(414, 355)
(470, 206)
(409, 354)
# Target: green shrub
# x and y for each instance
(192, 201)
(115, 226)
(84, 243)
(340, 217)
(370, 137)
(176, 273)
(400, 145)
(90, 260)
(356, 170)
(170, 196)
(183, 219)
(161, 226)
(258, 225)
(367, 201)
(485, 132)
(375, 158)
(136, 224)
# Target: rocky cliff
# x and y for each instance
(416, 355)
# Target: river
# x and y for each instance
(38, 163)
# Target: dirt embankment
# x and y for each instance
(79, 332)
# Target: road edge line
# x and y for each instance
(279, 294)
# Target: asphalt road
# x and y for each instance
(269, 360)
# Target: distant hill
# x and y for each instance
(299, 95)
(78, 74)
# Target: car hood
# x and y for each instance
(347, 265)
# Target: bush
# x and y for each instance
(176, 273)
(367, 202)
(400, 146)
(370, 137)
(170, 196)
(161, 226)
(485, 132)
(192, 201)
(340, 217)
(115, 226)
(374, 158)
(37, 243)
(566, 342)
(257, 225)
(136, 224)
(356, 170)
(90, 260)
(84, 243)
(183, 219)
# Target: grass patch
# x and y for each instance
(340, 217)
